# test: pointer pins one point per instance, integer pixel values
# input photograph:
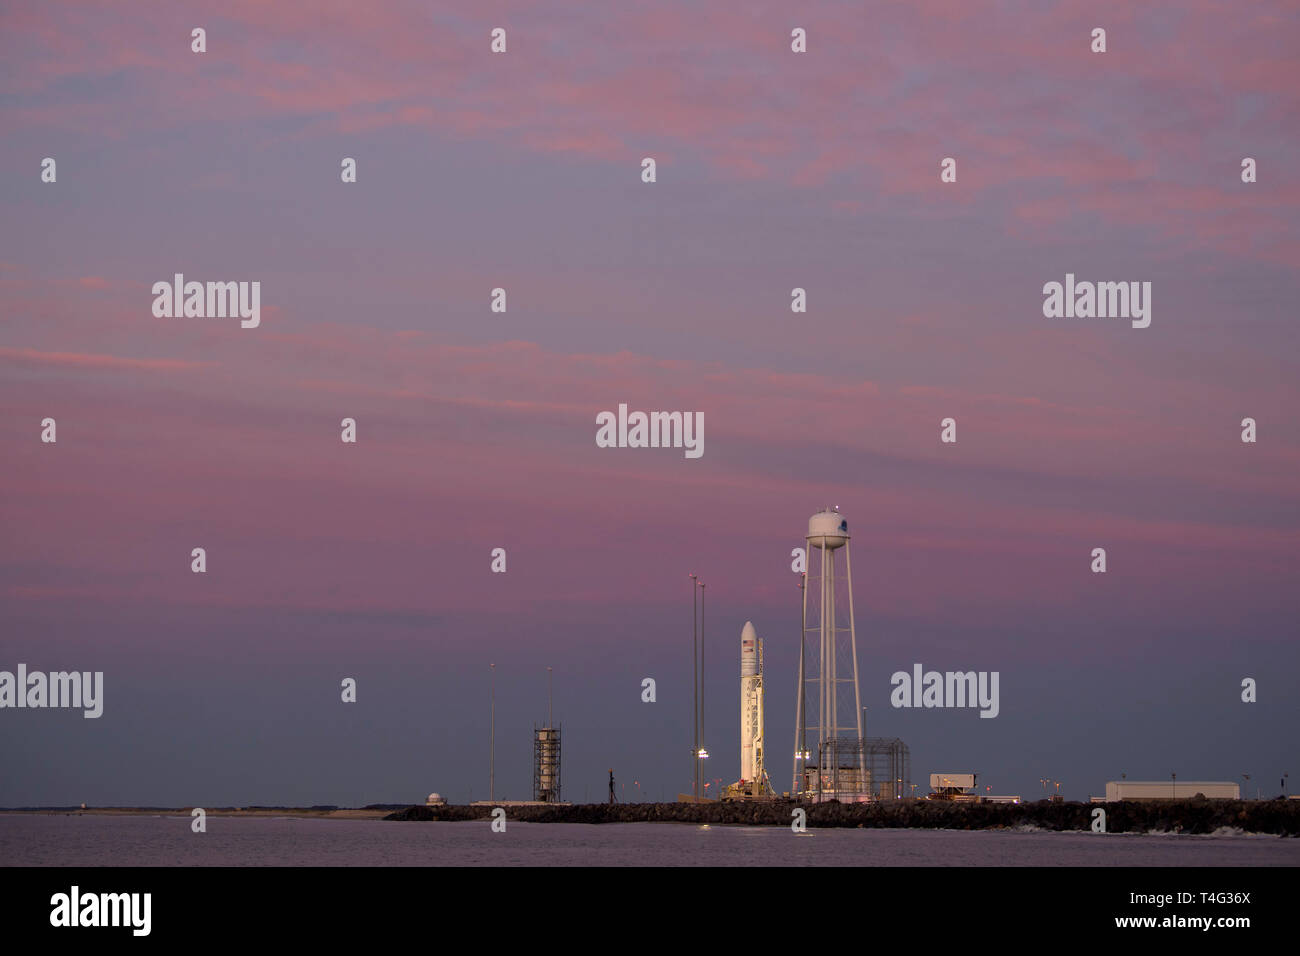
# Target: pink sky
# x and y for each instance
(776, 170)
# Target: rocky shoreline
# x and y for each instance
(1194, 816)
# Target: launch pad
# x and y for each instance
(846, 766)
(859, 770)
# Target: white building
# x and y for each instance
(1170, 790)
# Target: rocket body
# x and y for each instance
(751, 704)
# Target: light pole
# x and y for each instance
(695, 675)
(864, 783)
(492, 740)
(799, 775)
(702, 750)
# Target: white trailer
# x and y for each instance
(952, 781)
(1170, 790)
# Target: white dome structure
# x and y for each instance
(434, 800)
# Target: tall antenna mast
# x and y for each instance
(800, 719)
(695, 676)
(492, 740)
(704, 751)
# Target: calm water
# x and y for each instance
(287, 841)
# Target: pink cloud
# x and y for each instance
(85, 360)
(877, 101)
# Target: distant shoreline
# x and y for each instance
(322, 813)
(1278, 817)
(1195, 816)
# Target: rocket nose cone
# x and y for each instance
(748, 633)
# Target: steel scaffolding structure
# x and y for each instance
(889, 766)
(852, 769)
(546, 764)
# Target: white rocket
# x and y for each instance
(751, 706)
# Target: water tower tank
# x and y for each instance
(828, 526)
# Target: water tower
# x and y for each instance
(829, 763)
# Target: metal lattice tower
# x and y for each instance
(546, 755)
(546, 764)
